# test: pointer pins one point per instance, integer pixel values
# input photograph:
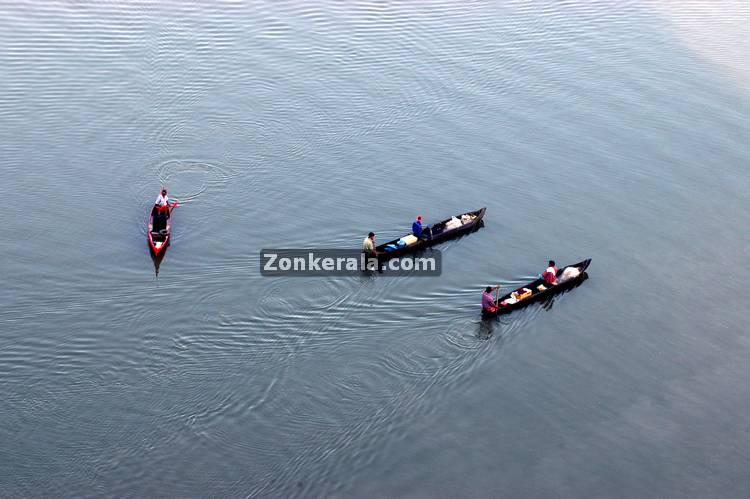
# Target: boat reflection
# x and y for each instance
(547, 303)
(486, 328)
(157, 259)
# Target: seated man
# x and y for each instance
(488, 302)
(416, 227)
(550, 275)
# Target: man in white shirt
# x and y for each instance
(161, 210)
(368, 245)
(163, 200)
(370, 253)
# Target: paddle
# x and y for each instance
(497, 295)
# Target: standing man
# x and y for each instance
(161, 211)
(369, 251)
(368, 245)
(488, 302)
(162, 202)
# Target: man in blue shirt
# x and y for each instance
(416, 227)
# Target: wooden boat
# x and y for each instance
(430, 235)
(537, 294)
(159, 231)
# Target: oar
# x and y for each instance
(497, 296)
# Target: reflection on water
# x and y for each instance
(486, 327)
(548, 303)
(157, 259)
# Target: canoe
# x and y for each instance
(159, 232)
(537, 295)
(431, 235)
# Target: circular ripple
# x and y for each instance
(192, 178)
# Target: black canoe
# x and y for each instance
(432, 235)
(537, 295)
(159, 230)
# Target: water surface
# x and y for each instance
(603, 130)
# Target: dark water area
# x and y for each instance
(588, 130)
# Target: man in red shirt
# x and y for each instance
(550, 275)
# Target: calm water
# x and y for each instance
(613, 130)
